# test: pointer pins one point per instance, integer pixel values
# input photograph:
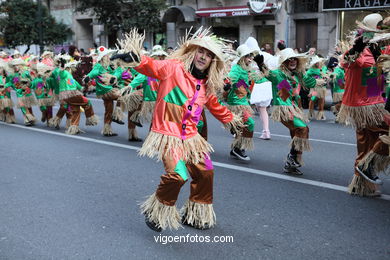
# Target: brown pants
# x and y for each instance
(62, 111)
(321, 104)
(75, 103)
(108, 100)
(171, 182)
(297, 131)
(367, 140)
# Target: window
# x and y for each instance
(305, 6)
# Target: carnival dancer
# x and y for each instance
(284, 82)
(363, 108)
(48, 58)
(20, 81)
(315, 79)
(71, 94)
(337, 78)
(6, 104)
(53, 81)
(237, 102)
(188, 82)
(106, 87)
(43, 92)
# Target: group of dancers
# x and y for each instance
(171, 92)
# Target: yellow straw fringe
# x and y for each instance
(162, 215)
(198, 214)
(361, 187)
(240, 142)
(337, 96)
(380, 162)
(131, 102)
(287, 113)
(362, 117)
(191, 150)
(300, 144)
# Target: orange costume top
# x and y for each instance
(179, 105)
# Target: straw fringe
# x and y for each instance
(131, 102)
(239, 110)
(337, 96)
(7, 103)
(114, 94)
(92, 120)
(29, 101)
(191, 150)
(107, 129)
(287, 113)
(10, 119)
(236, 124)
(321, 92)
(54, 121)
(117, 114)
(360, 186)
(46, 102)
(2, 116)
(385, 139)
(73, 130)
(321, 115)
(300, 144)
(240, 142)
(362, 117)
(198, 215)
(69, 94)
(132, 43)
(136, 116)
(162, 215)
(379, 162)
(147, 110)
(68, 121)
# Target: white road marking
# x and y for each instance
(218, 164)
(316, 140)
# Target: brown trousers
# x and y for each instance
(62, 111)
(321, 104)
(367, 140)
(202, 175)
(75, 103)
(108, 100)
(301, 132)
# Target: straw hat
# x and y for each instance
(42, 68)
(289, 53)
(315, 59)
(253, 44)
(103, 51)
(158, 51)
(16, 52)
(47, 53)
(72, 64)
(370, 23)
(244, 50)
(17, 61)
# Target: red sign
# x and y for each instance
(230, 11)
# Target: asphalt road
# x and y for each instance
(66, 197)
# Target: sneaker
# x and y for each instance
(110, 134)
(137, 123)
(153, 226)
(291, 159)
(135, 139)
(240, 154)
(369, 175)
(291, 170)
(266, 135)
(118, 121)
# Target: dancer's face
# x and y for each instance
(203, 58)
(248, 59)
(292, 63)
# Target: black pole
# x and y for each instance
(40, 31)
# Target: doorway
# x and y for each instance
(306, 34)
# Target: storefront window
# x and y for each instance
(305, 6)
(348, 20)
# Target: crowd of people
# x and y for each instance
(171, 90)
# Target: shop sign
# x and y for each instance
(257, 6)
(332, 5)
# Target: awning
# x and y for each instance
(231, 11)
(174, 12)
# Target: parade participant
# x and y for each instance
(338, 83)
(20, 81)
(315, 80)
(16, 55)
(284, 82)
(43, 92)
(188, 82)
(363, 108)
(6, 104)
(47, 58)
(84, 66)
(71, 94)
(237, 102)
(53, 81)
(106, 87)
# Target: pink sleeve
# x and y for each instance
(158, 69)
(219, 111)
